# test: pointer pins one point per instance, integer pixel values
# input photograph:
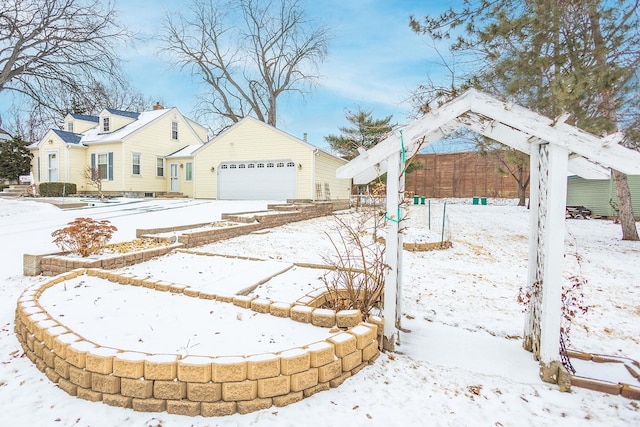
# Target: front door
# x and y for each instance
(174, 177)
(52, 167)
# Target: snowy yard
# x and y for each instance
(462, 363)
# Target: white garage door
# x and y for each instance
(257, 180)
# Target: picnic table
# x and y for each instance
(578, 212)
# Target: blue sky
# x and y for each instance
(374, 62)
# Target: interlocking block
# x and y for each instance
(328, 372)
(149, 405)
(280, 309)
(208, 295)
(364, 335)
(237, 391)
(195, 369)
(301, 313)
(129, 364)
(80, 377)
(321, 353)
(371, 351)
(209, 392)
(42, 326)
(254, 405)
(225, 298)
(76, 353)
(88, 394)
(61, 366)
(243, 301)
(336, 382)
(105, 383)
(358, 368)
(138, 388)
(261, 366)
(351, 360)
(344, 343)
(323, 317)
(30, 340)
(304, 380)
(161, 367)
(150, 283)
(229, 369)
(191, 292)
(348, 318)
(135, 280)
(217, 409)
(183, 407)
(174, 390)
(294, 361)
(68, 386)
(288, 399)
(261, 305)
(315, 389)
(100, 360)
(177, 288)
(50, 334)
(53, 376)
(49, 357)
(38, 347)
(276, 386)
(117, 400)
(163, 286)
(630, 392)
(40, 364)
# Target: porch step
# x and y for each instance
(14, 190)
(171, 195)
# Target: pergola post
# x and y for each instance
(553, 263)
(393, 252)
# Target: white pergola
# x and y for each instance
(556, 150)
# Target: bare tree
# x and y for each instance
(94, 178)
(48, 47)
(248, 53)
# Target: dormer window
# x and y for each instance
(70, 127)
(105, 124)
(174, 130)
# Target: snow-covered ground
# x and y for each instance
(461, 364)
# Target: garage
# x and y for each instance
(257, 180)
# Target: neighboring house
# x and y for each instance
(128, 149)
(4, 135)
(255, 161)
(599, 195)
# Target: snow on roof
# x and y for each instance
(185, 151)
(68, 137)
(95, 136)
(85, 117)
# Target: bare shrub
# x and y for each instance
(84, 236)
(358, 275)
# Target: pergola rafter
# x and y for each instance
(555, 149)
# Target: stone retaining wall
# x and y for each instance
(192, 385)
(52, 265)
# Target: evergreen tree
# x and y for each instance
(365, 132)
(554, 57)
(15, 159)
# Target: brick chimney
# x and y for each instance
(158, 106)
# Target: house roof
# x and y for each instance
(512, 125)
(95, 136)
(184, 152)
(85, 117)
(129, 114)
(252, 119)
(68, 137)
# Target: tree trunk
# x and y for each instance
(625, 209)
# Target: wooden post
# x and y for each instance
(554, 236)
(392, 252)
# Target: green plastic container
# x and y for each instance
(483, 201)
(422, 200)
(416, 200)
(476, 200)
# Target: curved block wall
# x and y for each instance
(193, 385)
